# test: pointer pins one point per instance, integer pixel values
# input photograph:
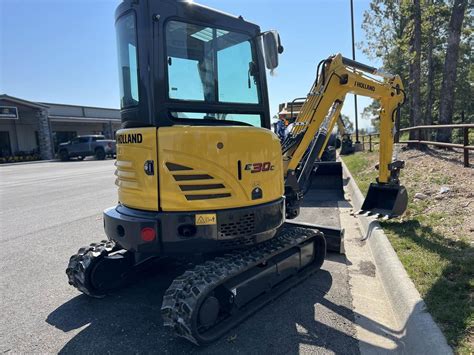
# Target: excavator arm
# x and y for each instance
(337, 77)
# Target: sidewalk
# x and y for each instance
(392, 316)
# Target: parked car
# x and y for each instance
(84, 146)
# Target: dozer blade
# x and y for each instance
(385, 201)
(327, 176)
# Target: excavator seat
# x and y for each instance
(385, 200)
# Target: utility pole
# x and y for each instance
(353, 58)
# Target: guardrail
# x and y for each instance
(465, 146)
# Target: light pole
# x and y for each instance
(353, 58)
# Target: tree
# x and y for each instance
(372, 113)
(446, 106)
(415, 69)
(349, 127)
(430, 75)
(385, 26)
(391, 35)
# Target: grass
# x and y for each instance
(441, 265)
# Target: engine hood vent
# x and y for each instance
(202, 189)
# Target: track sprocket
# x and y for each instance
(81, 267)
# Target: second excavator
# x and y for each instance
(199, 170)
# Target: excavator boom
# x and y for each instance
(337, 77)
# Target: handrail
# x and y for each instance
(456, 125)
(441, 144)
(465, 146)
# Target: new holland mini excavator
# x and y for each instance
(199, 170)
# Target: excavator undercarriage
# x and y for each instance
(213, 296)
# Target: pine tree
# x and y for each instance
(446, 107)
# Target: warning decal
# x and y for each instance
(205, 219)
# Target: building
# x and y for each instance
(37, 128)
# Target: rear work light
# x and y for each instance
(148, 234)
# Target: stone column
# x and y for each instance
(44, 135)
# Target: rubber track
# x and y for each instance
(81, 263)
(187, 291)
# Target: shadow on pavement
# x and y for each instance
(314, 316)
(130, 321)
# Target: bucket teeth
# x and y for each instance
(377, 215)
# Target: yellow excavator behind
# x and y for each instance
(199, 170)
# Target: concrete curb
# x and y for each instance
(29, 162)
(421, 335)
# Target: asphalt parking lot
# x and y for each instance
(49, 210)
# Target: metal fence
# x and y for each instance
(371, 139)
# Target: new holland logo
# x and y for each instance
(364, 86)
(129, 138)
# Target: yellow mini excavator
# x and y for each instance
(199, 170)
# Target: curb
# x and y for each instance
(29, 162)
(421, 335)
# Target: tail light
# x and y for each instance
(148, 234)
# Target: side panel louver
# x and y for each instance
(201, 187)
(176, 169)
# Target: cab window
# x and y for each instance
(210, 64)
(128, 61)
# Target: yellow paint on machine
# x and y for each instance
(199, 167)
(136, 189)
(196, 168)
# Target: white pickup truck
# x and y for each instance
(83, 146)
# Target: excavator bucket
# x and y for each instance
(327, 176)
(385, 200)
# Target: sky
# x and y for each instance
(64, 51)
